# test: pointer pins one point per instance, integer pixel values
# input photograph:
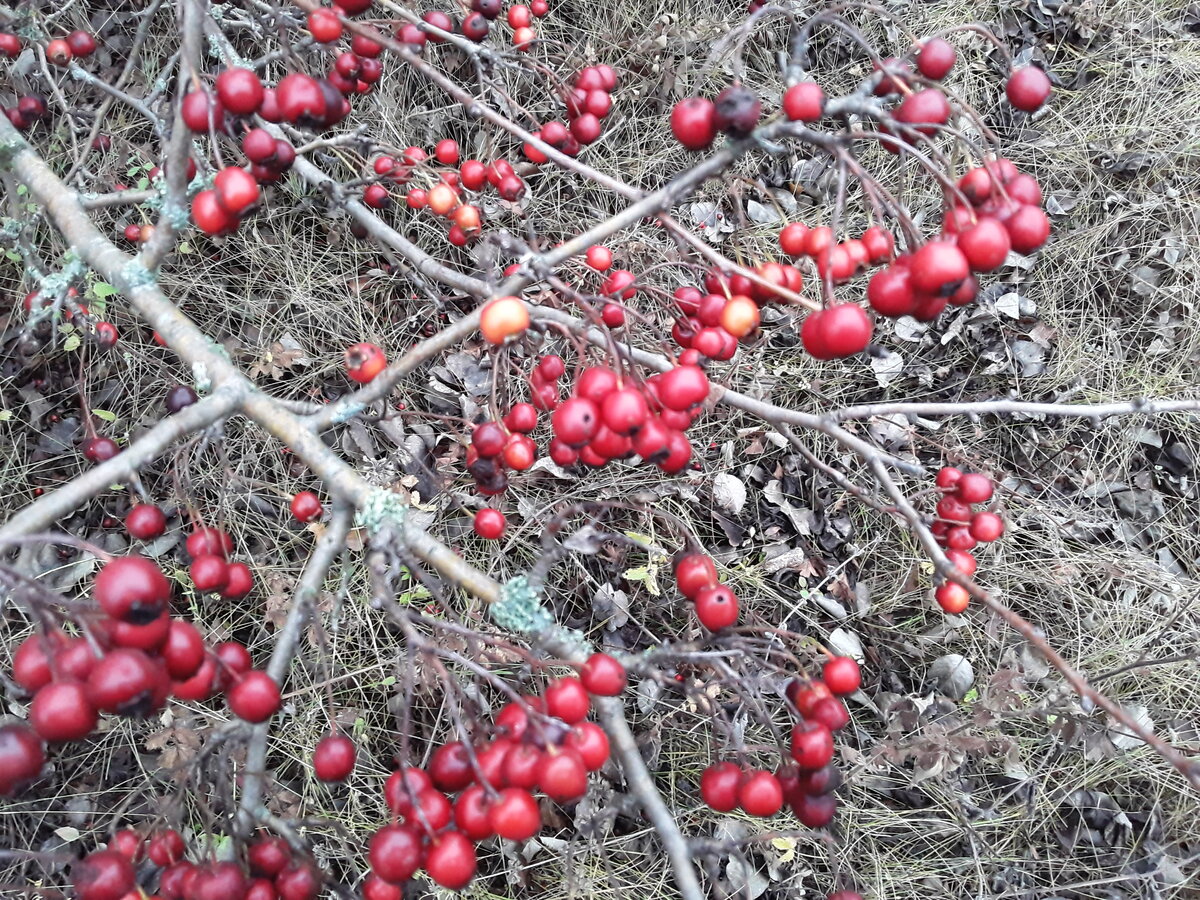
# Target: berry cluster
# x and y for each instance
(588, 101)
(112, 873)
(104, 333)
(542, 744)
(696, 577)
(959, 529)
(808, 781)
(30, 109)
(443, 193)
(132, 654)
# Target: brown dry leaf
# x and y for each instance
(279, 598)
(177, 744)
(281, 355)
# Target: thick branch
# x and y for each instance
(46, 510)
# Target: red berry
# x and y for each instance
(1028, 229)
(760, 794)
(812, 745)
(693, 573)
(737, 110)
(21, 757)
(815, 811)
(563, 776)
(165, 847)
(133, 589)
(599, 258)
(299, 881)
(333, 759)
(394, 853)
(514, 815)
(591, 743)
(183, 650)
(575, 421)
(603, 675)
(694, 122)
(240, 583)
(81, 43)
(841, 675)
(831, 713)
(364, 362)
(103, 875)
(719, 785)
(567, 699)
(974, 488)
(986, 527)
(938, 268)
(202, 112)
(489, 523)
(804, 102)
(255, 697)
(450, 767)
(306, 507)
(1027, 88)
(61, 711)
(209, 573)
(324, 26)
(935, 59)
(716, 607)
(952, 597)
(145, 521)
(985, 244)
(100, 449)
(450, 860)
(240, 91)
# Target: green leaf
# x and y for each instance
(13, 256)
(5, 415)
(643, 539)
(105, 415)
(72, 343)
(183, 248)
(102, 289)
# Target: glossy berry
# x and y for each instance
(103, 875)
(974, 488)
(21, 757)
(183, 649)
(306, 507)
(133, 589)
(567, 699)
(717, 607)
(815, 811)
(812, 745)
(450, 767)
(61, 711)
(719, 785)
(100, 449)
(165, 847)
(591, 743)
(760, 794)
(503, 318)
(1027, 88)
(81, 43)
(986, 527)
(333, 759)
(563, 776)
(575, 421)
(489, 523)
(603, 675)
(179, 397)
(145, 521)
(831, 713)
(514, 815)
(450, 860)
(804, 102)
(364, 361)
(935, 59)
(241, 581)
(842, 675)
(952, 597)
(240, 91)
(209, 573)
(255, 697)
(694, 122)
